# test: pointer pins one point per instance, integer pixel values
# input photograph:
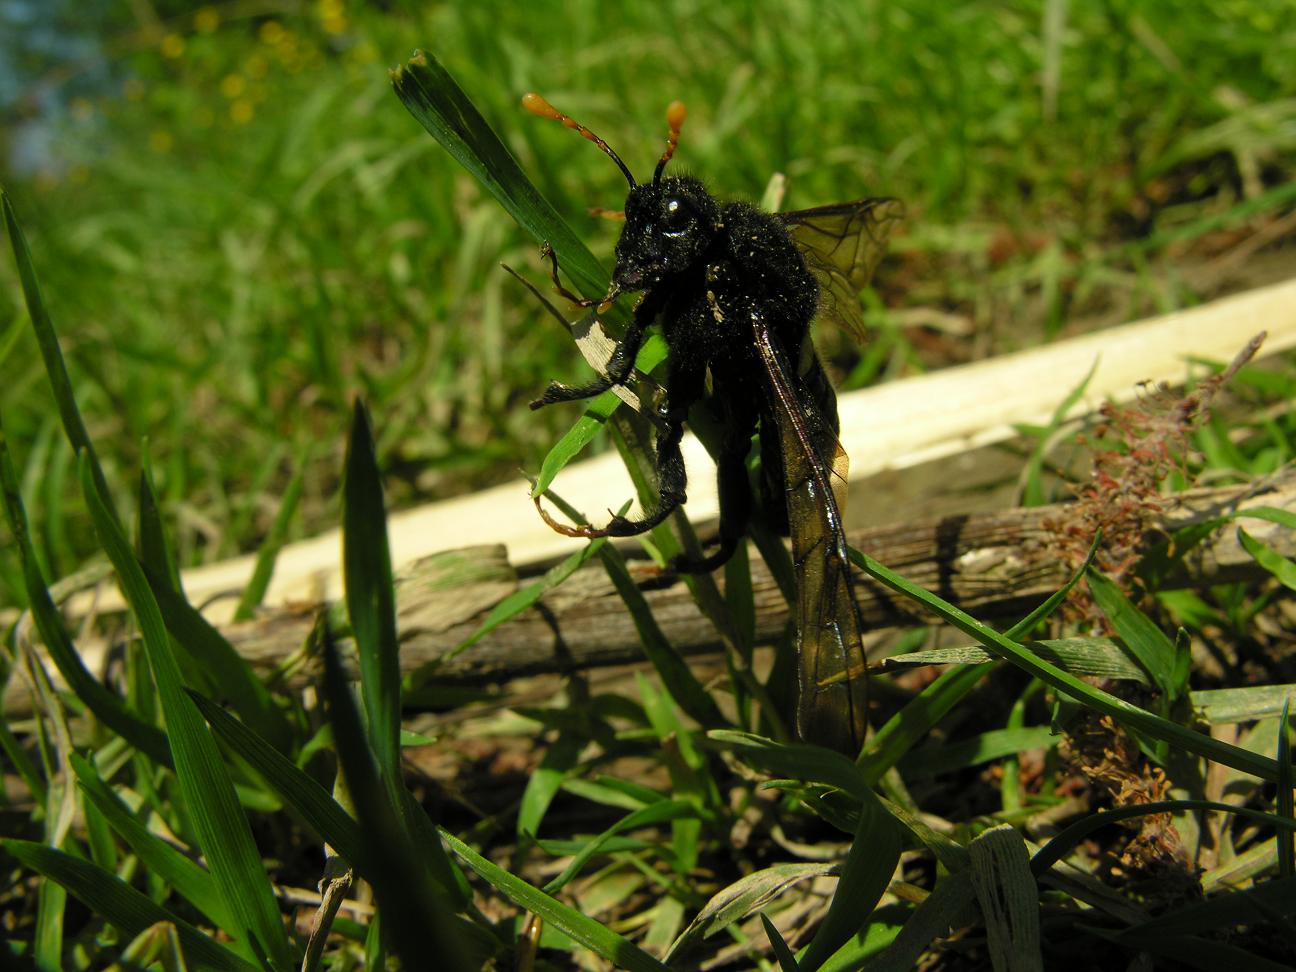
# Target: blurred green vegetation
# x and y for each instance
(238, 227)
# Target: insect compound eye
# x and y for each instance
(676, 217)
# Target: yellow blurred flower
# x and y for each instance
(161, 142)
(363, 53)
(206, 20)
(173, 46)
(256, 66)
(241, 112)
(232, 85)
(272, 32)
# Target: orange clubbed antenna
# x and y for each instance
(535, 104)
(675, 115)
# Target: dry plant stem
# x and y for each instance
(1123, 496)
(333, 887)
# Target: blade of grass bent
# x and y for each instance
(911, 723)
(218, 820)
(107, 707)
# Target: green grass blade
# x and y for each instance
(412, 907)
(1147, 643)
(1283, 799)
(254, 593)
(947, 757)
(1271, 560)
(586, 931)
(314, 804)
(371, 604)
(47, 341)
(1274, 514)
(437, 102)
(1242, 704)
(950, 905)
(229, 672)
(797, 761)
(188, 879)
(370, 596)
(1131, 715)
(1009, 898)
(746, 895)
(515, 604)
(120, 904)
(916, 719)
(1100, 657)
(903, 730)
(107, 707)
(655, 813)
(47, 937)
(669, 664)
(593, 420)
(1222, 911)
(870, 863)
(218, 820)
(561, 758)
(154, 551)
(786, 960)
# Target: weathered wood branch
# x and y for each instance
(991, 565)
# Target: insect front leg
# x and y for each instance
(619, 365)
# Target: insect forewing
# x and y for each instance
(833, 691)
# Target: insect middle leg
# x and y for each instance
(616, 372)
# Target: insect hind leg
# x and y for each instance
(671, 482)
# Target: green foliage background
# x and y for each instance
(238, 226)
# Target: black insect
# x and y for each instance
(734, 290)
